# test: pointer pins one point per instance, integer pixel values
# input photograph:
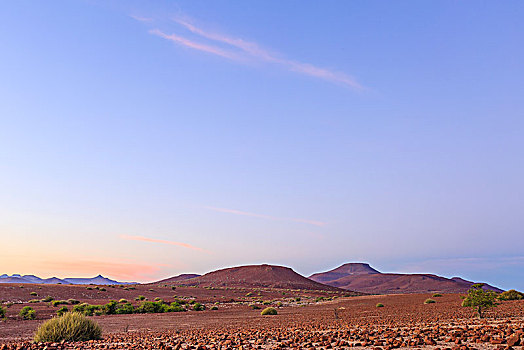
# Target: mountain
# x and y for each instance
(269, 276)
(179, 278)
(363, 278)
(349, 269)
(16, 278)
(95, 280)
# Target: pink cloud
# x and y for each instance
(161, 241)
(194, 45)
(268, 217)
(256, 51)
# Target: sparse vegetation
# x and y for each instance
(269, 311)
(380, 305)
(511, 294)
(59, 302)
(480, 299)
(33, 294)
(71, 326)
(198, 307)
(47, 299)
(62, 311)
(73, 301)
(2, 312)
(429, 301)
(436, 295)
(27, 313)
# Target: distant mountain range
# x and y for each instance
(361, 277)
(16, 278)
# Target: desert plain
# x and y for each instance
(306, 319)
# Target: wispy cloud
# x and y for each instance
(161, 241)
(194, 45)
(141, 18)
(256, 51)
(268, 217)
(243, 51)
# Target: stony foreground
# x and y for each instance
(355, 322)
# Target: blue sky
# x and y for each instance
(146, 139)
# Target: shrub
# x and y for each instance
(73, 301)
(255, 307)
(33, 294)
(511, 294)
(214, 308)
(267, 302)
(32, 301)
(380, 305)
(279, 304)
(125, 308)
(71, 326)
(110, 308)
(173, 287)
(140, 297)
(62, 311)
(150, 307)
(123, 301)
(59, 302)
(102, 289)
(249, 294)
(429, 301)
(2, 312)
(269, 311)
(27, 313)
(47, 299)
(198, 307)
(436, 295)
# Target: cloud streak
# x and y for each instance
(243, 51)
(161, 241)
(267, 217)
(255, 50)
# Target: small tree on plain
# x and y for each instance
(480, 299)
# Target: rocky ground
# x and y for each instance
(344, 322)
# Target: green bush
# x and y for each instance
(214, 308)
(511, 294)
(198, 307)
(255, 307)
(2, 312)
(73, 301)
(47, 299)
(429, 301)
(436, 295)
(150, 307)
(380, 305)
(140, 297)
(123, 301)
(27, 313)
(59, 302)
(71, 326)
(33, 301)
(62, 311)
(269, 311)
(125, 308)
(33, 294)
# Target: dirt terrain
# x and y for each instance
(360, 277)
(342, 322)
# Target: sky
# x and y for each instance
(141, 140)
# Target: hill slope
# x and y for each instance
(179, 278)
(269, 276)
(362, 278)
